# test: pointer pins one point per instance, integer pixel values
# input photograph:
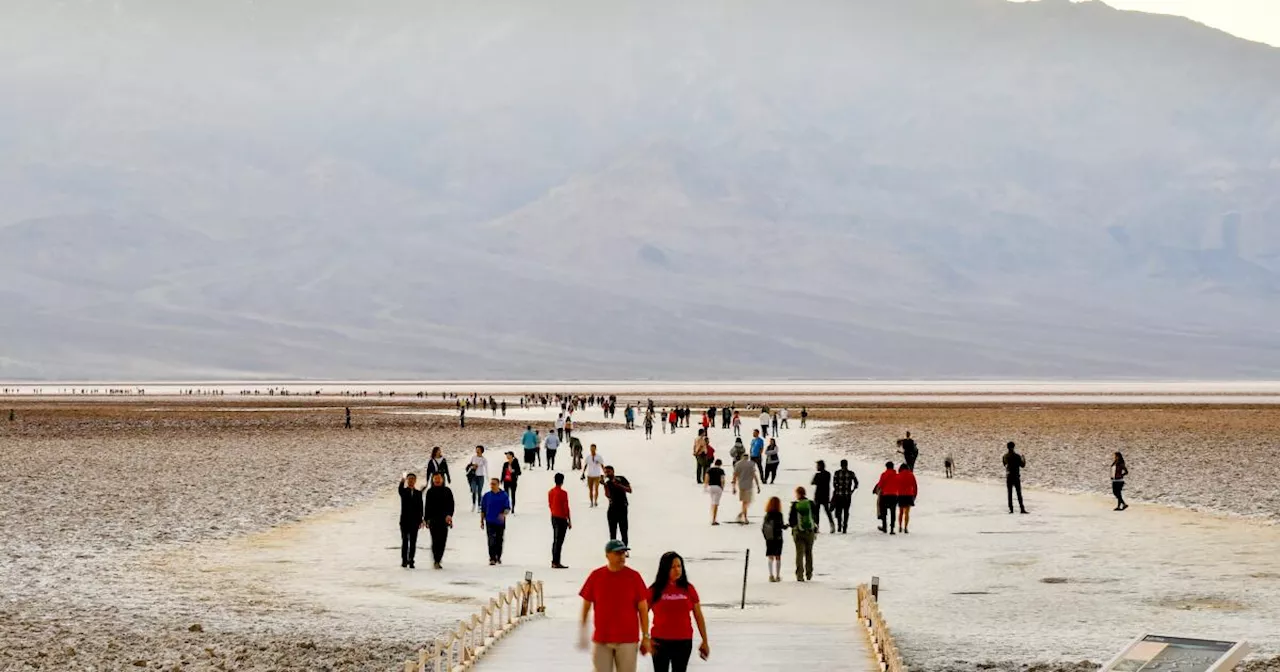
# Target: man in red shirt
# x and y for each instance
(558, 501)
(621, 602)
(887, 504)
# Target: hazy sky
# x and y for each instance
(1257, 20)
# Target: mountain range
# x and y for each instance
(661, 189)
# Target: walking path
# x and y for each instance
(1073, 580)
(549, 645)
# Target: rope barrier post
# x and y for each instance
(875, 588)
(528, 586)
(746, 565)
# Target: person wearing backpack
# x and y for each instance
(772, 530)
(801, 520)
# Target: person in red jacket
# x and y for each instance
(906, 495)
(887, 503)
(558, 502)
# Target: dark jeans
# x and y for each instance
(560, 434)
(817, 516)
(888, 506)
(511, 487)
(476, 484)
(551, 460)
(771, 472)
(1117, 489)
(759, 466)
(439, 537)
(841, 505)
(1012, 484)
(618, 522)
(495, 533)
(408, 542)
(559, 528)
(671, 655)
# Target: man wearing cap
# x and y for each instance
(621, 602)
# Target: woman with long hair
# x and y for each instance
(772, 528)
(1118, 472)
(672, 600)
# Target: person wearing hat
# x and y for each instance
(620, 599)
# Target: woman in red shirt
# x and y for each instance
(906, 495)
(672, 600)
(887, 502)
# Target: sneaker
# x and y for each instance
(492, 562)
(437, 566)
(411, 566)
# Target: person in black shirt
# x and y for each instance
(410, 518)
(714, 479)
(822, 497)
(438, 465)
(616, 489)
(1013, 466)
(511, 478)
(438, 515)
(843, 483)
(909, 451)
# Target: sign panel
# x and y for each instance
(1159, 653)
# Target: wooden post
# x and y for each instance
(746, 564)
(875, 588)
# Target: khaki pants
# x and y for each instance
(614, 657)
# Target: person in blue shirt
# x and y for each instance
(495, 505)
(757, 451)
(530, 443)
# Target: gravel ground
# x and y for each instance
(1223, 460)
(93, 492)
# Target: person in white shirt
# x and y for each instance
(765, 420)
(783, 415)
(477, 476)
(593, 471)
(560, 427)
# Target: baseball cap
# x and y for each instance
(615, 546)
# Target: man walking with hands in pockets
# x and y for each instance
(620, 599)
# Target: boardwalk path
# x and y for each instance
(736, 645)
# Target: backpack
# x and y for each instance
(804, 516)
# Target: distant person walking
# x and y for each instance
(906, 496)
(738, 452)
(648, 426)
(700, 455)
(620, 600)
(561, 523)
(438, 465)
(511, 478)
(726, 417)
(495, 505)
(616, 489)
(438, 514)
(772, 530)
(1118, 473)
(1013, 466)
(746, 477)
(771, 461)
(410, 518)
(909, 451)
(462, 417)
(822, 497)
(783, 415)
(559, 427)
(757, 452)
(804, 417)
(774, 420)
(593, 471)
(737, 424)
(347, 424)
(530, 442)
(765, 419)
(477, 476)
(552, 445)
(673, 600)
(568, 427)
(949, 465)
(804, 528)
(575, 451)
(843, 483)
(886, 491)
(715, 487)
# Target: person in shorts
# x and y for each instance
(714, 479)
(620, 599)
(592, 472)
(906, 496)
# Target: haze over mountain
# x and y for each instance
(574, 188)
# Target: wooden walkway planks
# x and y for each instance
(550, 644)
